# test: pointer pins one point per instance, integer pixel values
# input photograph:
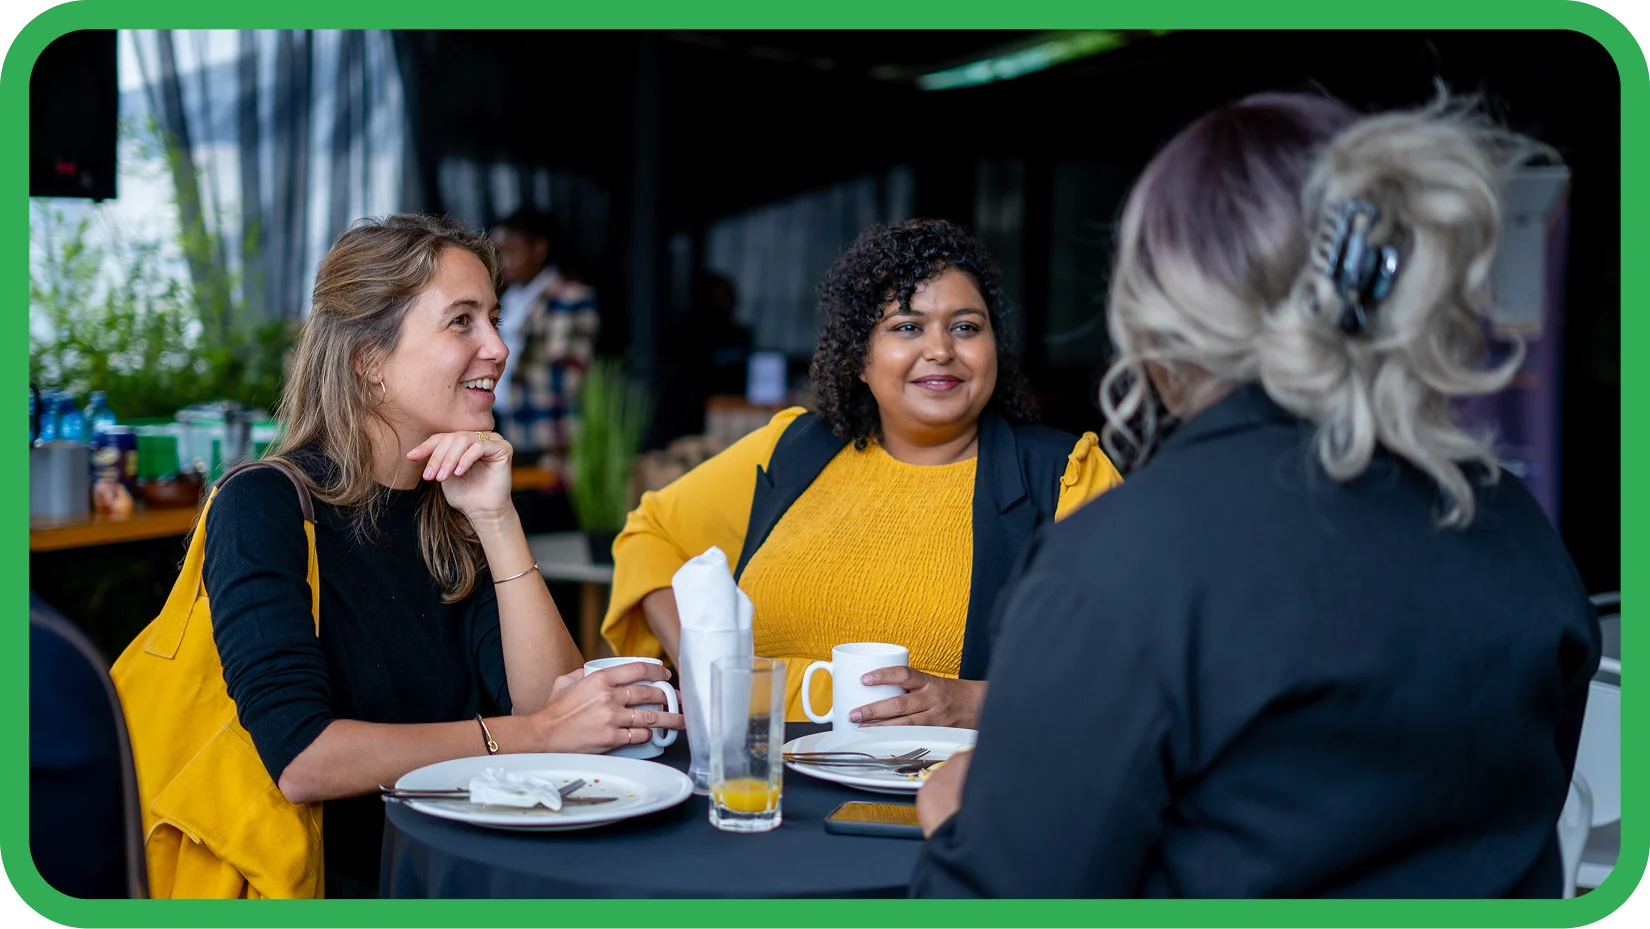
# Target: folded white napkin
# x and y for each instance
(514, 788)
(716, 623)
(707, 598)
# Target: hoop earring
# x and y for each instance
(383, 395)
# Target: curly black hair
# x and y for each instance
(889, 261)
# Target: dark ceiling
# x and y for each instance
(745, 114)
(884, 55)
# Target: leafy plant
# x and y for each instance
(616, 412)
(114, 310)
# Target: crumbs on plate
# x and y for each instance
(924, 774)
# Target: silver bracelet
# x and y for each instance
(512, 577)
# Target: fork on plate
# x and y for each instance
(460, 793)
(854, 759)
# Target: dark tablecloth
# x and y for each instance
(671, 853)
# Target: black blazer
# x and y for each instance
(1016, 491)
(1244, 679)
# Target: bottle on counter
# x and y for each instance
(71, 423)
(98, 415)
(47, 431)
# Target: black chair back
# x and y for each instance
(85, 827)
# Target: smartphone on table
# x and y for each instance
(860, 817)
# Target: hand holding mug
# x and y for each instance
(661, 736)
(928, 700)
(848, 667)
(610, 708)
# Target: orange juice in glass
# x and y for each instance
(747, 737)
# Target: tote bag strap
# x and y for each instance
(313, 571)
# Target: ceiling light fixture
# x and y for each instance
(1041, 56)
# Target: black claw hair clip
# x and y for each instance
(1361, 272)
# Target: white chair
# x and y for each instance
(1601, 741)
(1598, 763)
(1574, 824)
(1589, 827)
(1609, 627)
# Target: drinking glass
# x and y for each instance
(747, 738)
(697, 648)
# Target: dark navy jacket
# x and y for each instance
(1016, 493)
(1232, 676)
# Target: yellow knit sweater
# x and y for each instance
(875, 550)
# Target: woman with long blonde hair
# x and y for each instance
(437, 636)
(1318, 645)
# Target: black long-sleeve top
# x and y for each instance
(1232, 676)
(389, 650)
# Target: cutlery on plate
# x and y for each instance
(897, 765)
(923, 765)
(853, 757)
(460, 793)
(900, 767)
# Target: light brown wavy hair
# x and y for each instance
(369, 278)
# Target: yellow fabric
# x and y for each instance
(882, 529)
(215, 824)
(875, 551)
(710, 505)
(1089, 473)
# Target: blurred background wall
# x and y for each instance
(668, 159)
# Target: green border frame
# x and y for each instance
(913, 14)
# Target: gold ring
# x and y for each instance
(483, 437)
(632, 720)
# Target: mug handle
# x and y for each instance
(807, 676)
(669, 736)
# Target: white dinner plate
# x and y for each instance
(881, 741)
(641, 787)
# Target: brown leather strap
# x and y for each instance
(298, 482)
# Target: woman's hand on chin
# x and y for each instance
(473, 469)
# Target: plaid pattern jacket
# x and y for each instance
(557, 347)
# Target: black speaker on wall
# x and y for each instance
(74, 108)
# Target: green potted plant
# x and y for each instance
(615, 414)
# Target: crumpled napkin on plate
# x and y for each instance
(514, 788)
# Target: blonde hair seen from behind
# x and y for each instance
(1214, 274)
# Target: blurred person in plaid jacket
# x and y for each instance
(550, 324)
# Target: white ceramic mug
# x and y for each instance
(655, 746)
(848, 663)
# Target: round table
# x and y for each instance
(671, 853)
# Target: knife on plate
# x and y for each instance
(459, 793)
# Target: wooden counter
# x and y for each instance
(50, 535)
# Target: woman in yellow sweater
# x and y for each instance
(896, 512)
